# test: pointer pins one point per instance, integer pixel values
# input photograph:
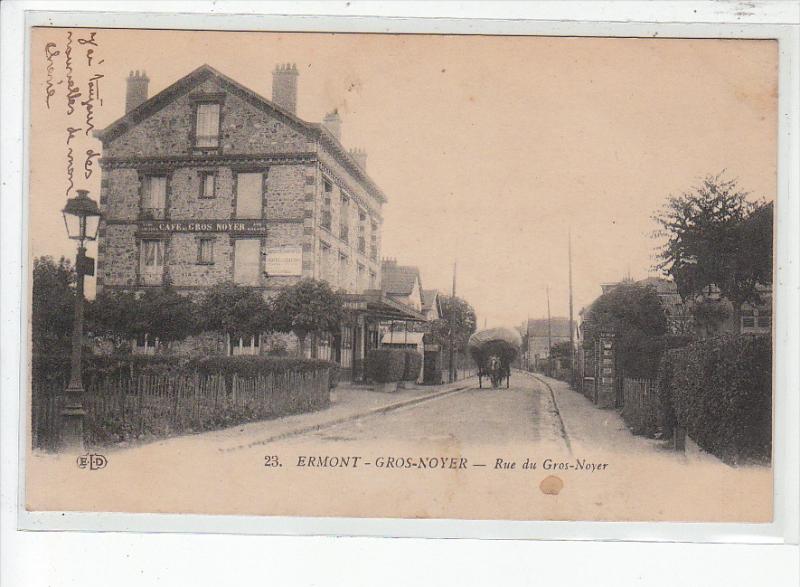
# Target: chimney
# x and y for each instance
(360, 155)
(284, 86)
(334, 124)
(137, 90)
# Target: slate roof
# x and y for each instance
(538, 328)
(315, 131)
(398, 280)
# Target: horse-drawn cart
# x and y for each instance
(493, 350)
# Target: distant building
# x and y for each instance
(431, 307)
(682, 315)
(540, 335)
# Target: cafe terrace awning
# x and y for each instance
(377, 305)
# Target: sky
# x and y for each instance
(491, 150)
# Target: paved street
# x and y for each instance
(522, 414)
(474, 444)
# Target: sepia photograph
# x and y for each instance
(409, 276)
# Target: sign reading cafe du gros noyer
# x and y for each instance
(254, 227)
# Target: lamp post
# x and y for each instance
(82, 219)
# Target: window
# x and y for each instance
(373, 241)
(372, 279)
(249, 190)
(764, 319)
(247, 262)
(327, 186)
(344, 220)
(205, 251)
(362, 231)
(154, 195)
(325, 261)
(208, 184)
(207, 126)
(152, 262)
(325, 220)
(360, 285)
(342, 270)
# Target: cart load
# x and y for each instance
(493, 350)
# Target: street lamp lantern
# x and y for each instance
(82, 219)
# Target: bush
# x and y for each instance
(386, 365)
(253, 366)
(413, 364)
(720, 391)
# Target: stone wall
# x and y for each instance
(245, 129)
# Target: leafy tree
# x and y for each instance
(633, 313)
(465, 324)
(160, 313)
(53, 305)
(716, 236)
(236, 310)
(167, 315)
(308, 307)
(561, 350)
(115, 316)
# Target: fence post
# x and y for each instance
(140, 400)
(679, 439)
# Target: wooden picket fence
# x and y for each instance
(121, 408)
(641, 409)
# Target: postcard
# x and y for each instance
(418, 277)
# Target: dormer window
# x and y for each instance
(207, 124)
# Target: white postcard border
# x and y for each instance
(783, 528)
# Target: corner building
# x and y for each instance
(209, 182)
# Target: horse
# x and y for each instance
(495, 370)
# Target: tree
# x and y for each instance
(114, 316)
(717, 237)
(161, 313)
(561, 350)
(633, 313)
(235, 310)
(167, 315)
(308, 307)
(52, 305)
(465, 324)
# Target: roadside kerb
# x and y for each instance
(561, 425)
(348, 418)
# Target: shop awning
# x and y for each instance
(377, 305)
(402, 338)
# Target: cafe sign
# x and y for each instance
(234, 227)
(287, 261)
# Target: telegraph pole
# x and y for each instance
(571, 323)
(549, 337)
(453, 324)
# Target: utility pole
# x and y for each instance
(549, 337)
(571, 323)
(453, 324)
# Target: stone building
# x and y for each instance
(209, 182)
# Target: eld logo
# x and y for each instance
(92, 461)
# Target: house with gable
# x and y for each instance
(209, 182)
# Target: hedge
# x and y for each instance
(720, 391)
(57, 367)
(135, 397)
(413, 364)
(386, 365)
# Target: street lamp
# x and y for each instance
(82, 219)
